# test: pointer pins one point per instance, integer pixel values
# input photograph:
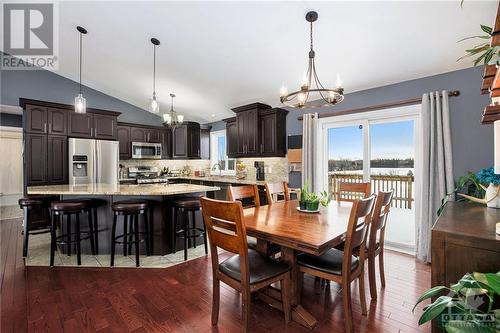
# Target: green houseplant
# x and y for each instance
(310, 201)
(470, 306)
(484, 52)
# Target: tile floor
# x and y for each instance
(39, 252)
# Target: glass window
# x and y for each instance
(219, 162)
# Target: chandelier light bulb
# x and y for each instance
(180, 118)
(166, 118)
(339, 81)
(301, 98)
(283, 91)
(305, 82)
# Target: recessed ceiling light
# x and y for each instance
(213, 115)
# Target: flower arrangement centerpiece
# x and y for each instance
(488, 177)
(310, 201)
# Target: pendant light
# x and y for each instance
(80, 102)
(172, 118)
(308, 96)
(154, 106)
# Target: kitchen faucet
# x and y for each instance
(220, 168)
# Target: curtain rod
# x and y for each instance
(388, 105)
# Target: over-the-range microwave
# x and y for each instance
(145, 150)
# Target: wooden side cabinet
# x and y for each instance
(105, 126)
(125, 144)
(35, 159)
(35, 119)
(57, 161)
(186, 141)
(57, 120)
(231, 137)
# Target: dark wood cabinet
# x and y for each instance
(125, 144)
(166, 144)
(231, 137)
(57, 161)
(35, 159)
(57, 120)
(186, 141)
(80, 125)
(138, 134)
(273, 133)
(105, 126)
(256, 131)
(205, 143)
(35, 119)
(153, 135)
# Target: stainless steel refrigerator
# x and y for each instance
(93, 161)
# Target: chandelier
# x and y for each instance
(154, 106)
(172, 119)
(308, 96)
(80, 101)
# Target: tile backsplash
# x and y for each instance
(276, 168)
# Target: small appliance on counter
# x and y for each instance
(259, 170)
(92, 161)
(146, 175)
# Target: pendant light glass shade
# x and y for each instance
(154, 106)
(80, 104)
(80, 101)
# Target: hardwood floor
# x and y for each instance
(178, 299)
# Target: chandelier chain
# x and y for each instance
(80, 85)
(311, 36)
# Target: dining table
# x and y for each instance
(295, 232)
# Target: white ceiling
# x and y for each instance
(218, 55)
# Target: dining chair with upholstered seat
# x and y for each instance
(343, 267)
(375, 245)
(276, 190)
(247, 270)
(352, 191)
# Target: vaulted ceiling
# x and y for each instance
(218, 55)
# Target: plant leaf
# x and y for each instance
(436, 308)
(486, 29)
(490, 281)
(429, 293)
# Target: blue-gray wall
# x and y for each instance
(47, 86)
(472, 142)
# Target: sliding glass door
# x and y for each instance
(381, 149)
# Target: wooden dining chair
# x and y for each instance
(274, 190)
(244, 193)
(343, 267)
(352, 191)
(247, 270)
(376, 237)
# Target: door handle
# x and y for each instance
(45, 128)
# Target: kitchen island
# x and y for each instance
(159, 196)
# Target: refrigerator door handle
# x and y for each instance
(96, 162)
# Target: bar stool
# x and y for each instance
(27, 205)
(93, 204)
(130, 209)
(182, 208)
(68, 208)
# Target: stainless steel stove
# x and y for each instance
(146, 175)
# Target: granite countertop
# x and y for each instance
(222, 179)
(107, 189)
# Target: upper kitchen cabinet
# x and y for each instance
(205, 142)
(138, 134)
(186, 141)
(95, 125)
(42, 119)
(166, 143)
(272, 130)
(256, 131)
(231, 137)
(153, 135)
(105, 126)
(128, 133)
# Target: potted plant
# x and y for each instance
(491, 198)
(471, 305)
(310, 201)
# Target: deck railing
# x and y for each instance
(402, 185)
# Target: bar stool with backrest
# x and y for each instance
(28, 205)
(247, 270)
(183, 208)
(354, 191)
(275, 190)
(70, 208)
(375, 246)
(131, 210)
(343, 267)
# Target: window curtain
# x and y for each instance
(309, 149)
(437, 168)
